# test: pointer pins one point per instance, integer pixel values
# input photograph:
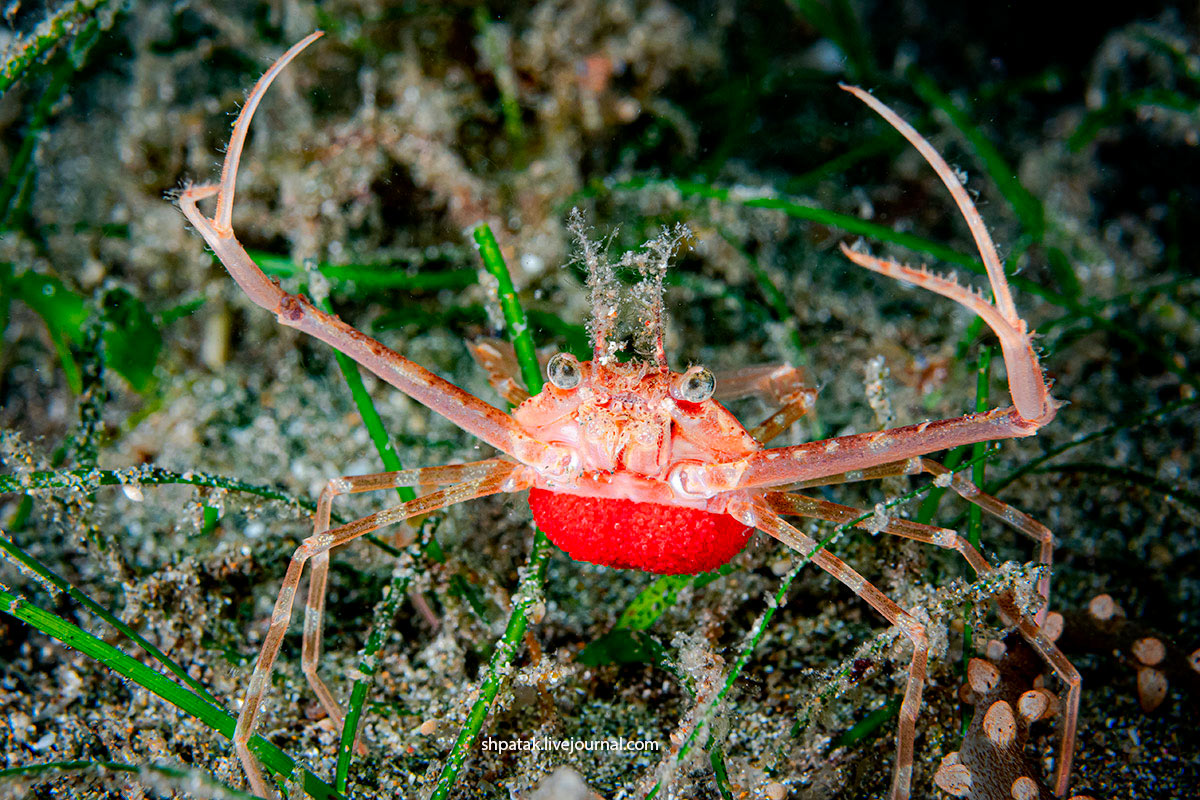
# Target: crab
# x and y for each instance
(632, 465)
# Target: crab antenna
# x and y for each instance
(983, 240)
(223, 217)
(653, 269)
(602, 284)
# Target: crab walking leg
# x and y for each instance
(785, 466)
(466, 411)
(314, 610)
(1030, 630)
(759, 514)
(1015, 518)
(507, 477)
(1066, 672)
(777, 383)
(795, 408)
(1025, 381)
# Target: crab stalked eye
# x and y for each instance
(563, 371)
(694, 386)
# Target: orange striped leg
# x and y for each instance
(795, 407)
(1016, 519)
(799, 505)
(314, 610)
(762, 516)
(484, 478)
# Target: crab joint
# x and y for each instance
(696, 481)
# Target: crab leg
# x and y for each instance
(759, 514)
(775, 382)
(792, 410)
(1030, 630)
(498, 360)
(314, 611)
(502, 476)
(1013, 517)
(1024, 375)
(1025, 381)
(783, 466)
(466, 411)
(1032, 405)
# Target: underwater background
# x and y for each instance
(162, 440)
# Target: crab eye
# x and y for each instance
(694, 386)
(563, 371)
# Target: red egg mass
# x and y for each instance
(651, 537)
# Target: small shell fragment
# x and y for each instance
(1151, 688)
(1150, 651)
(995, 650)
(1102, 607)
(952, 777)
(428, 727)
(775, 791)
(982, 675)
(1000, 725)
(1023, 788)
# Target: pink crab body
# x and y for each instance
(630, 425)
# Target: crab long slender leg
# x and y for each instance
(504, 477)
(1030, 630)
(1025, 380)
(759, 514)
(466, 411)
(1015, 518)
(310, 651)
(785, 466)
(775, 382)
(791, 411)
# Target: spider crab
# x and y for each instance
(633, 465)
